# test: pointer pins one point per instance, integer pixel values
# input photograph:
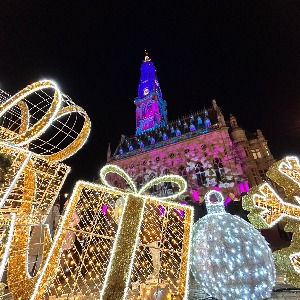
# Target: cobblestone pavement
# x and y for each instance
(276, 295)
(286, 295)
(281, 291)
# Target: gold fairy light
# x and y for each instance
(286, 173)
(118, 253)
(7, 228)
(51, 108)
(35, 177)
(267, 208)
(92, 253)
(133, 211)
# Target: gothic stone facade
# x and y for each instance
(207, 151)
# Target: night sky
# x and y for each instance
(245, 54)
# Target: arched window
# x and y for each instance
(153, 189)
(182, 172)
(166, 185)
(142, 110)
(200, 173)
(141, 144)
(199, 121)
(149, 108)
(219, 169)
(139, 182)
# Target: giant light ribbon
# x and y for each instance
(56, 110)
(21, 284)
(268, 208)
(119, 269)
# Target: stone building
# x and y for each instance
(204, 148)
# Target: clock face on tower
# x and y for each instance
(146, 91)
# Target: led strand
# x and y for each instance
(12, 184)
(7, 244)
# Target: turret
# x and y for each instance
(108, 155)
(260, 135)
(221, 120)
(233, 122)
(237, 133)
(264, 144)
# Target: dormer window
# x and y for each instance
(192, 127)
(199, 120)
(207, 122)
(165, 137)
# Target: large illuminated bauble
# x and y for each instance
(230, 259)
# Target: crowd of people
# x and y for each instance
(276, 236)
(234, 206)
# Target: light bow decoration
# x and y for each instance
(268, 208)
(39, 127)
(144, 251)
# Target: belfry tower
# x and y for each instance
(151, 109)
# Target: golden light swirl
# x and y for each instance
(80, 139)
(56, 110)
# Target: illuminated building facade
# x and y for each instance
(209, 152)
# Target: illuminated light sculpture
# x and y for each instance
(31, 130)
(229, 258)
(286, 173)
(110, 258)
(117, 253)
(7, 227)
(267, 208)
(37, 131)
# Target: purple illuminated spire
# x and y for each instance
(150, 107)
(148, 80)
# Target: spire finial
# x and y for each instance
(147, 58)
(108, 155)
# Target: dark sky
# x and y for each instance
(246, 54)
